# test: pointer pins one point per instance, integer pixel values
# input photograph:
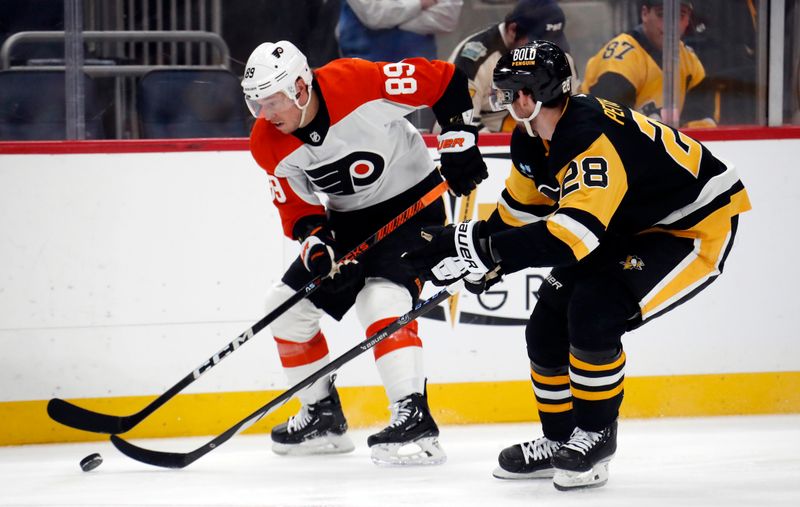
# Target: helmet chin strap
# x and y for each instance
(526, 121)
(304, 107)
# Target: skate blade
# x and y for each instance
(566, 480)
(328, 444)
(421, 452)
(545, 473)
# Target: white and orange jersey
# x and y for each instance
(359, 150)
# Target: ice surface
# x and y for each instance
(725, 461)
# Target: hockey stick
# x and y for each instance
(81, 418)
(468, 202)
(182, 460)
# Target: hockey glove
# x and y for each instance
(484, 283)
(462, 164)
(318, 256)
(453, 252)
(316, 251)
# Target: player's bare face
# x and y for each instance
(281, 111)
(653, 24)
(523, 105)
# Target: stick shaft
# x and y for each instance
(81, 418)
(181, 460)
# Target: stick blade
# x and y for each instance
(80, 418)
(151, 457)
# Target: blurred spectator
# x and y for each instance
(723, 34)
(477, 54)
(791, 68)
(628, 70)
(32, 15)
(308, 24)
(390, 30)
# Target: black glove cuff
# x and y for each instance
(484, 244)
(316, 225)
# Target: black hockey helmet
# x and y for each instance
(539, 67)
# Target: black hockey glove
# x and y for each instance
(453, 252)
(462, 164)
(317, 252)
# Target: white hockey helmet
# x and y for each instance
(272, 68)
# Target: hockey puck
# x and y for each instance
(91, 462)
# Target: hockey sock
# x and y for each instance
(301, 359)
(596, 380)
(553, 401)
(399, 360)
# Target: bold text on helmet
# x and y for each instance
(523, 56)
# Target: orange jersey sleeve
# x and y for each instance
(293, 199)
(414, 82)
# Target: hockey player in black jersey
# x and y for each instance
(635, 218)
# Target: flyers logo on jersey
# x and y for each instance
(346, 175)
(523, 56)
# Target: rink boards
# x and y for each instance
(124, 266)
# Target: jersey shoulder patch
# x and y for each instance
(473, 50)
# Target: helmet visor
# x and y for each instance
(500, 98)
(268, 106)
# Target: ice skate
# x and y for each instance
(412, 437)
(319, 428)
(527, 460)
(582, 462)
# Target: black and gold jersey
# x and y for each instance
(627, 70)
(608, 172)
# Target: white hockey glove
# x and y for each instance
(453, 252)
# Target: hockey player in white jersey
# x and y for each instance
(340, 132)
